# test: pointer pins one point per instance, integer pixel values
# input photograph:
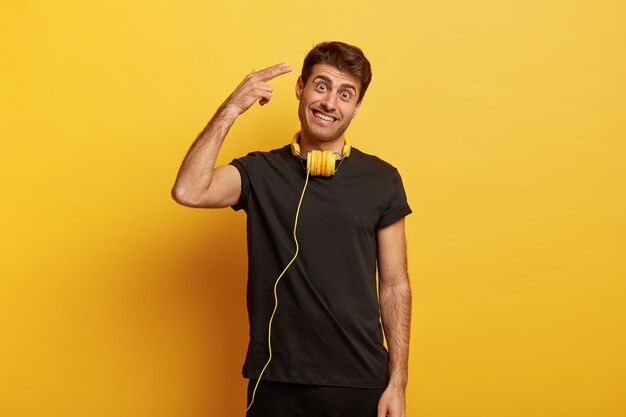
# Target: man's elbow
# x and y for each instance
(199, 199)
(183, 197)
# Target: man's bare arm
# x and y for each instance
(395, 306)
(199, 183)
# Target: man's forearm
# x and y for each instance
(395, 304)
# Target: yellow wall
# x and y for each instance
(506, 120)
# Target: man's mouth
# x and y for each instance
(323, 116)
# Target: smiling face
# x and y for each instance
(329, 100)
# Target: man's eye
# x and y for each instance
(321, 87)
(346, 95)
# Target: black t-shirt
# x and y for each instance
(327, 328)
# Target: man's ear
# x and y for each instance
(356, 109)
(299, 88)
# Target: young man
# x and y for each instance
(320, 224)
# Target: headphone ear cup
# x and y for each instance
(329, 165)
(323, 164)
(320, 163)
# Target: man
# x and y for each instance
(316, 343)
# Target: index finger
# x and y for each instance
(274, 71)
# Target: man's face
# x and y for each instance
(328, 102)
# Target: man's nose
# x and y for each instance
(329, 101)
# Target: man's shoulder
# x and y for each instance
(258, 156)
(371, 161)
(269, 153)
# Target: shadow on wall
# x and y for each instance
(180, 317)
(212, 272)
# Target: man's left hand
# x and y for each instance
(392, 403)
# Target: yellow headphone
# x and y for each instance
(319, 163)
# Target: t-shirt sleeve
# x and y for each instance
(397, 206)
(242, 165)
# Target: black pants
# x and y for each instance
(278, 399)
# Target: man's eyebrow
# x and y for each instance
(328, 80)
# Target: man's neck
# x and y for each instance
(334, 145)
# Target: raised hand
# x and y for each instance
(254, 87)
(196, 186)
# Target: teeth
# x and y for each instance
(323, 117)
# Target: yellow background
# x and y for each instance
(506, 120)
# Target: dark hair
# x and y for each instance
(346, 58)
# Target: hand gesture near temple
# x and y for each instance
(254, 87)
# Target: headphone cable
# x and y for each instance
(269, 333)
